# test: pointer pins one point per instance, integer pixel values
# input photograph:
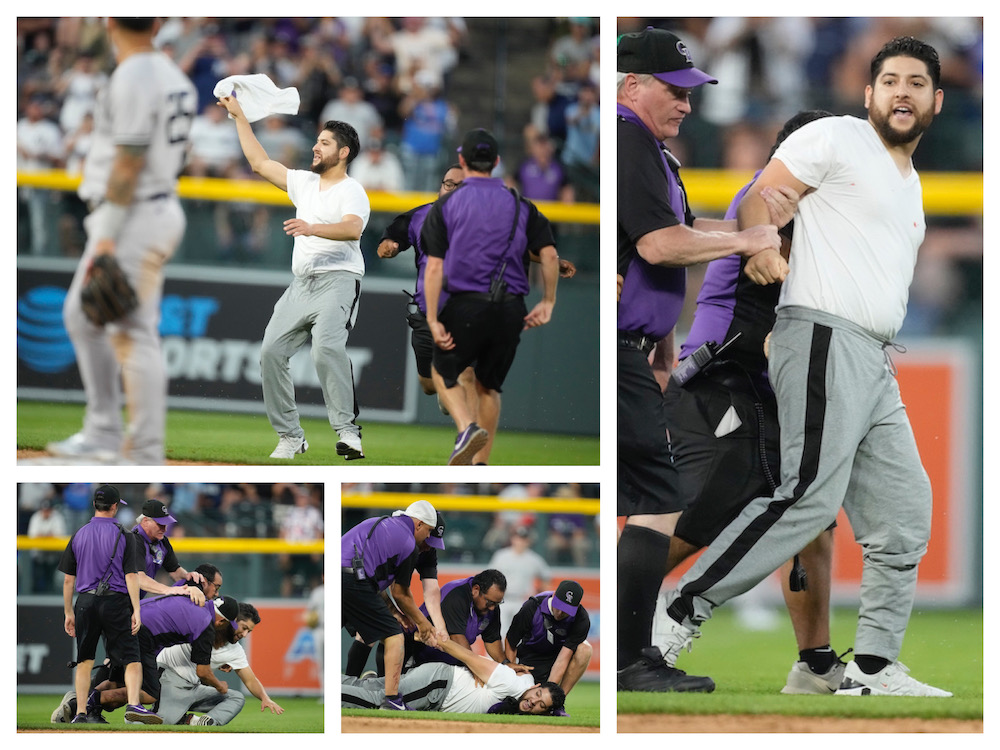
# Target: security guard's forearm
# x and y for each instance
(549, 259)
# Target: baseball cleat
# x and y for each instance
(803, 681)
(288, 446)
(467, 444)
(349, 446)
(893, 680)
(650, 674)
(63, 713)
(670, 636)
(140, 715)
(77, 446)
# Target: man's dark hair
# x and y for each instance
(513, 705)
(248, 612)
(135, 24)
(209, 571)
(488, 578)
(907, 46)
(794, 123)
(450, 167)
(558, 696)
(345, 135)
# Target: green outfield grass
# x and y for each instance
(583, 705)
(942, 647)
(211, 437)
(301, 715)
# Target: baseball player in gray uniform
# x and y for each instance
(845, 437)
(141, 126)
(332, 211)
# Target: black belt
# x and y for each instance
(487, 297)
(638, 341)
(109, 592)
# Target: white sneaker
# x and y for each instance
(893, 680)
(203, 721)
(63, 709)
(349, 446)
(76, 446)
(803, 681)
(288, 446)
(670, 636)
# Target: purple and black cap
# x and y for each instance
(156, 510)
(229, 608)
(479, 145)
(661, 54)
(107, 495)
(567, 597)
(436, 537)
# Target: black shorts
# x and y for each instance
(486, 335)
(150, 669)
(421, 342)
(110, 616)
(719, 476)
(647, 479)
(364, 612)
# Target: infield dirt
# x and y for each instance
(725, 724)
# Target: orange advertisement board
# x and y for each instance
(283, 651)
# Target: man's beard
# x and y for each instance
(880, 120)
(324, 164)
(224, 634)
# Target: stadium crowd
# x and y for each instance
(389, 77)
(471, 537)
(293, 512)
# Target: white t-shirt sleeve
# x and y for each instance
(356, 203)
(809, 151)
(231, 654)
(296, 179)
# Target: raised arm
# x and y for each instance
(260, 163)
(481, 666)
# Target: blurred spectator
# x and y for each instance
(573, 52)
(540, 176)
(39, 148)
(29, 499)
(379, 84)
(77, 90)
(548, 113)
(349, 106)
(78, 504)
(45, 522)
(581, 153)
(760, 65)
(215, 146)
(303, 522)
(247, 514)
(377, 168)
(73, 210)
(207, 62)
(428, 120)
(314, 617)
(526, 571)
(283, 142)
(422, 47)
(316, 79)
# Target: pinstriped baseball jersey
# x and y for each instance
(148, 102)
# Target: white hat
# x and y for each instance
(422, 510)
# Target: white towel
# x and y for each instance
(258, 96)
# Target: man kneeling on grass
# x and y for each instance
(478, 686)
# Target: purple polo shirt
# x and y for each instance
(729, 302)
(469, 228)
(405, 229)
(461, 618)
(176, 619)
(155, 555)
(535, 632)
(541, 183)
(650, 197)
(390, 547)
(88, 555)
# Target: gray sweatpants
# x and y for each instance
(423, 688)
(845, 441)
(325, 306)
(177, 697)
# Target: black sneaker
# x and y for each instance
(649, 674)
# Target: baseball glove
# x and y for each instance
(107, 294)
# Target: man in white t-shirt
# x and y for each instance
(332, 210)
(182, 690)
(478, 686)
(846, 440)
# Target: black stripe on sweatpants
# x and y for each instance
(425, 690)
(808, 468)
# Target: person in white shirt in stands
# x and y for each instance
(181, 688)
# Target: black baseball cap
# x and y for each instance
(661, 54)
(228, 607)
(156, 510)
(479, 145)
(567, 597)
(436, 537)
(107, 495)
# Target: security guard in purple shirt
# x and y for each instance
(157, 553)
(549, 634)
(478, 239)
(99, 563)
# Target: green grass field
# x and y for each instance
(583, 705)
(942, 647)
(301, 715)
(208, 437)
